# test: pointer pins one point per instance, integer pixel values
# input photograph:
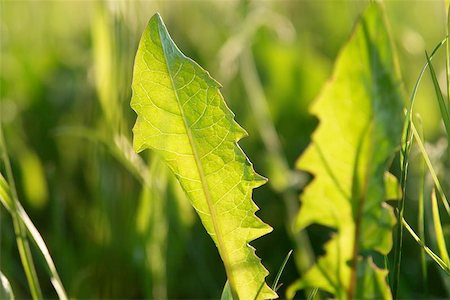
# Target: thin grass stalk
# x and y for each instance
(280, 271)
(15, 208)
(312, 294)
(404, 161)
(443, 107)
(121, 150)
(421, 221)
(19, 228)
(156, 235)
(428, 251)
(447, 66)
(447, 62)
(431, 169)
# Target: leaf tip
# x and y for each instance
(156, 18)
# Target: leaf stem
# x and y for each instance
(361, 194)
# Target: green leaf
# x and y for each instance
(182, 116)
(360, 124)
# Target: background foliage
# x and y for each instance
(65, 90)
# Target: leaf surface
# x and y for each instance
(360, 122)
(183, 117)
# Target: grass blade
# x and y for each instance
(24, 219)
(280, 271)
(121, 150)
(19, 228)
(37, 238)
(417, 83)
(447, 58)
(404, 159)
(22, 225)
(442, 104)
(440, 239)
(312, 294)
(430, 253)
(431, 169)
(421, 218)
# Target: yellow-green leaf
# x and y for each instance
(183, 117)
(360, 122)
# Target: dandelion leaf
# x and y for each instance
(360, 124)
(182, 116)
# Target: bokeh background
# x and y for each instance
(65, 76)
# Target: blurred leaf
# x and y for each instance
(393, 190)
(34, 182)
(152, 224)
(440, 238)
(183, 117)
(226, 293)
(106, 65)
(359, 112)
(6, 292)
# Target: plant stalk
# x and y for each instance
(19, 228)
(407, 140)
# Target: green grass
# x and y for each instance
(409, 132)
(24, 228)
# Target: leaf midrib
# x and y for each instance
(205, 187)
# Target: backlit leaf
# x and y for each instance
(360, 121)
(182, 116)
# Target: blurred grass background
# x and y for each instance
(118, 225)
